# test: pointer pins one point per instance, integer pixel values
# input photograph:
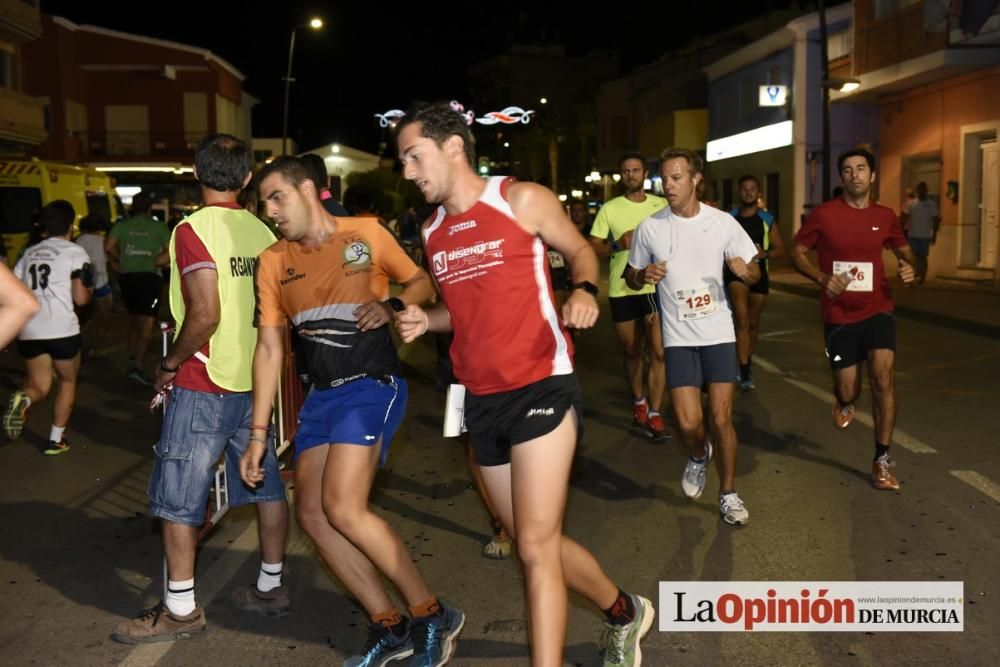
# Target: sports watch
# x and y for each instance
(396, 304)
(588, 287)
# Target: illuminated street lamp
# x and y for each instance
(314, 24)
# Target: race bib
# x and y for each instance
(556, 260)
(695, 303)
(860, 273)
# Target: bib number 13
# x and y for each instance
(39, 275)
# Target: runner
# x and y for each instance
(634, 311)
(59, 274)
(849, 234)
(681, 250)
(512, 352)
(329, 277)
(747, 301)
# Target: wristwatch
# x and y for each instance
(163, 366)
(588, 287)
(396, 304)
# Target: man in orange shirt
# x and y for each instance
(330, 276)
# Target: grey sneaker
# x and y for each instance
(693, 480)
(620, 643)
(273, 603)
(383, 647)
(732, 509)
(157, 624)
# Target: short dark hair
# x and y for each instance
(292, 169)
(696, 165)
(141, 203)
(856, 152)
(56, 218)
(748, 177)
(438, 121)
(632, 155)
(91, 224)
(222, 162)
(317, 170)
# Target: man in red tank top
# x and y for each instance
(487, 247)
(849, 233)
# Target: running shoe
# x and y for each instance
(693, 480)
(16, 414)
(732, 509)
(843, 415)
(882, 477)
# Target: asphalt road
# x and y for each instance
(77, 552)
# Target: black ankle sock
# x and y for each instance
(745, 370)
(622, 611)
(880, 451)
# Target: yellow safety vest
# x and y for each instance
(234, 238)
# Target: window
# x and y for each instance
(7, 68)
(98, 204)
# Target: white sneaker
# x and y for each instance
(693, 480)
(733, 511)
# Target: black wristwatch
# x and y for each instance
(588, 287)
(396, 304)
(164, 367)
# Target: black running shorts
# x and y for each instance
(497, 422)
(632, 307)
(849, 344)
(141, 292)
(60, 349)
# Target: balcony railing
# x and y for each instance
(98, 145)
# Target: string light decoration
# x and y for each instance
(511, 115)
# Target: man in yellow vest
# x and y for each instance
(208, 373)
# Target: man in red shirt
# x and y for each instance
(487, 245)
(849, 233)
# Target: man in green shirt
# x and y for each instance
(133, 246)
(634, 311)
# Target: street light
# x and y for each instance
(314, 24)
(843, 85)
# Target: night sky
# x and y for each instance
(372, 56)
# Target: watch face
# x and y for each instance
(397, 304)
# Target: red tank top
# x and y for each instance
(494, 278)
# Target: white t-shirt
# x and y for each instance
(94, 245)
(46, 268)
(692, 298)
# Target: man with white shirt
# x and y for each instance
(681, 250)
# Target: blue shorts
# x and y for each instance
(362, 412)
(104, 290)
(198, 428)
(694, 366)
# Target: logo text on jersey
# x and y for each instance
(292, 276)
(461, 227)
(541, 412)
(468, 256)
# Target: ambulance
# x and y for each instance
(27, 185)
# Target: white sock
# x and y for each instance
(654, 413)
(269, 577)
(56, 433)
(180, 597)
(640, 401)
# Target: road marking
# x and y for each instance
(780, 333)
(978, 482)
(900, 437)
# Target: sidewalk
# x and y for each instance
(972, 309)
